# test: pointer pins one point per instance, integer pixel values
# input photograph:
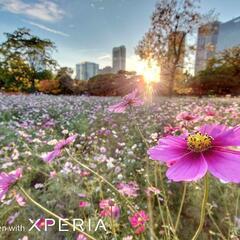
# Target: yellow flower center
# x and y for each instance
(199, 142)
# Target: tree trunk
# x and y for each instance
(171, 82)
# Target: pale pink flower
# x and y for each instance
(109, 208)
(20, 200)
(186, 116)
(129, 100)
(210, 111)
(128, 189)
(82, 195)
(8, 179)
(53, 174)
(50, 156)
(12, 218)
(81, 237)
(84, 173)
(103, 149)
(25, 238)
(128, 238)
(169, 130)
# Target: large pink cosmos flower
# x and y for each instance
(129, 100)
(50, 156)
(210, 149)
(7, 180)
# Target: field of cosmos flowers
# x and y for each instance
(77, 167)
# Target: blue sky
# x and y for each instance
(86, 30)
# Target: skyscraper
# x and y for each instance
(86, 70)
(206, 44)
(229, 34)
(119, 58)
(215, 37)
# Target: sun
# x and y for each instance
(149, 70)
(151, 74)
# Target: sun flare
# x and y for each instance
(149, 70)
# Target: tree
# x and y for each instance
(221, 76)
(31, 50)
(164, 43)
(114, 84)
(17, 76)
(35, 51)
(49, 86)
(64, 71)
(67, 84)
(44, 75)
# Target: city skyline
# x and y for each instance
(88, 30)
(85, 70)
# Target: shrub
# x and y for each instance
(113, 84)
(222, 75)
(48, 86)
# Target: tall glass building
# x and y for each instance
(119, 59)
(215, 37)
(206, 44)
(229, 34)
(86, 70)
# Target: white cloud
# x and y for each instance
(105, 57)
(47, 28)
(43, 9)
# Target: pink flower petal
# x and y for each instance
(174, 141)
(165, 154)
(49, 157)
(129, 100)
(131, 95)
(2, 193)
(118, 108)
(229, 138)
(224, 164)
(71, 139)
(190, 168)
(169, 148)
(222, 135)
(213, 130)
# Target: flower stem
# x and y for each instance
(168, 213)
(181, 206)
(159, 205)
(203, 208)
(237, 202)
(53, 214)
(142, 136)
(215, 224)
